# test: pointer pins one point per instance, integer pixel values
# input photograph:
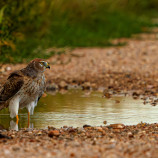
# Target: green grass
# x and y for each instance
(95, 31)
(30, 27)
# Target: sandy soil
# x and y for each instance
(114, 141)
(131, 69)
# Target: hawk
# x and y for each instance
(23, 88)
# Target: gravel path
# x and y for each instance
(114, 141)
(131, 68)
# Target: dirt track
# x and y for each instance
(131, 68)
(115, 141)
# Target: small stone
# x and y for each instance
(28, 130)
(6, 152)
(94, 142)
(72, 154)
(107, 95)
(51, 128)
(80, 129)
(86, 86)
(153, 103)
(117, 101)
(116, 130)
(12, 136)
(130, 135)
(71, 130)
(113, 140)
(94, 86)
(63, 85)
(52, 87)
(39, 133)
(88, 135)
(32, 140)
(86, 126)
(8, 68)
(135, 95)
(16, 148)
(99, 129)
(82, 134)
(105, 122)
(117, 126)
(103, 133)
(53, 133)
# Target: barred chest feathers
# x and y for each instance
(28, 95)
(32, 90)
(24, 87)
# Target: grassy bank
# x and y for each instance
(29, 27)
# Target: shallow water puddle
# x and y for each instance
(76, 108)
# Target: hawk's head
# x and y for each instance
(39, 64)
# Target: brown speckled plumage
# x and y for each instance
(24, 87)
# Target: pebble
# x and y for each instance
(6, 152)
(39, 133)
(12, 136)
(52, 87)
(63, 85)
(51, 128)
(99, 129)
(107, 95)
(105, 122)
(8, 68)
(117, 126)
(93, 139)
(53, 133)
(86, 126)
(80, 129)
(16, 148)
(130, 135)
(86, 86)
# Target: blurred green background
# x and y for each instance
(28, 28)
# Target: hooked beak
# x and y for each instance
(48, 66)
(45, 64)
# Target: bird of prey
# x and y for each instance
(23, 88)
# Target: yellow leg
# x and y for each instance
(28, 119)
(17, 119)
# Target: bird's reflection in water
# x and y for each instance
(15, 126)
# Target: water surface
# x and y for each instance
(76, 108)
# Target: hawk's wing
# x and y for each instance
(11, 87)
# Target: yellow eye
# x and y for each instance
(44, 63)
